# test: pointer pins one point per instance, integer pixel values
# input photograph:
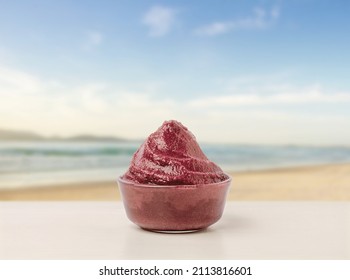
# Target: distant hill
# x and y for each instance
(94, 138)
(18, 135)
(12, 135)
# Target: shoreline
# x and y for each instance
(79, 182)
(316, 182)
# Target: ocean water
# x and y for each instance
(24, 164)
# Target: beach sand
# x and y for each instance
(324, 182)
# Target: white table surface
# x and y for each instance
(247, 230)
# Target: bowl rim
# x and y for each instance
(134, 184)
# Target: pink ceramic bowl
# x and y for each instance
(174, 208)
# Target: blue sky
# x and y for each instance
(271, 72)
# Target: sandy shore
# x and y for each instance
(326, 182)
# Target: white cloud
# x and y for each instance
(95, 38)
(275, 12)
(260, 19)
(30, 103)
(273, 127)
(311, 95)
(215, 28)
(92, 40)
(160, 20)
(14, 81)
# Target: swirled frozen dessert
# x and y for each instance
(171, 185)
(172, 156)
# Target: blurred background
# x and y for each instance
(263, 85)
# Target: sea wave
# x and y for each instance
(66, 152)
(31, 163)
